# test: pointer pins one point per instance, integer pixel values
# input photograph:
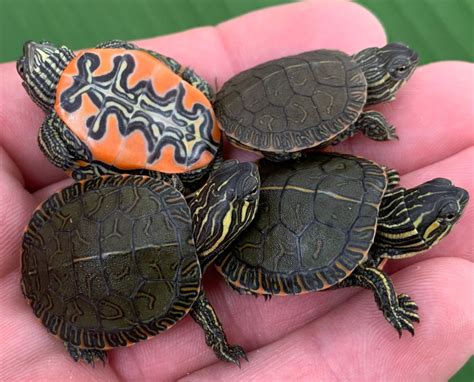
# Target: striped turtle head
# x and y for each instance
(386, 70)
(224, 207)
(414, 220)
(40, 67)
(442, 204)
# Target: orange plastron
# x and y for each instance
(133, 112)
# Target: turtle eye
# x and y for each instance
(20, 68)
(449, 212)
(450, 216)
(402, 69)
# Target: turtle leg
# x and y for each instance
(282, 157)
(185, 73)
(60, 145)
(116, 44)
(399, 310)
(393, 178)
(205, 315)
(88, 355)
(198, 82)
(373, 124)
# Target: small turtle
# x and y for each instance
(120, 109)
(284, 106)
(330, 221)
(117, 259)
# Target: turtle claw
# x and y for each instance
(403, 315)
(230, 353)
(88, 355)
(392, 134)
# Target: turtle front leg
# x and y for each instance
(393, 178)
(88, 355)
(399, 310)
(60, 145)
(374, 126)
(205, 315)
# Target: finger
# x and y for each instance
(354, 342)
(24, 339)
(16, 205)
(28, 352)
(215, 53)
(433, 115)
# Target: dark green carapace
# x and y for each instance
(309, 100)
(90, 265)
(114, 260)
(329, 220)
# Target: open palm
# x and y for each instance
(336, 335)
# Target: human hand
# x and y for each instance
(319, 336)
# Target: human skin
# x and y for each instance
(334, 335)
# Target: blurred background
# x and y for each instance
(439, 29)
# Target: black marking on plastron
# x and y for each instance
(163, 120)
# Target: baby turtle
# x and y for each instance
(114, 260)
(284, 106)
(120, 109)
(330, 221)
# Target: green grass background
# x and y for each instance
(439, 29)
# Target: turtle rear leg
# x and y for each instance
(373, 124)
(88, 355)
(205, 315)
(185, 73)
(116, 44)
(399, 310)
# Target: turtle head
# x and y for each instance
(434, 207)
(224, 207)
(40, 67)
(421, 218)
(386, 70)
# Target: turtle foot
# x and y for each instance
(229, 353)
(388, 133)
(403, 315)
(88, 355)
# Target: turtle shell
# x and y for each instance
(292, 103)
(315, 224)
(133, 112)
(111, 261)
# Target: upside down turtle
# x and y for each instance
(329, 221)
(120, 109)
(117, 259)
(309, 100)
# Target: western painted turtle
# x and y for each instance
(309, 100)
(330, 221)
(120, 109)
(117, 259)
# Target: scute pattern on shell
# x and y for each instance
(292, 103)
(315, 224)
(111, 261)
